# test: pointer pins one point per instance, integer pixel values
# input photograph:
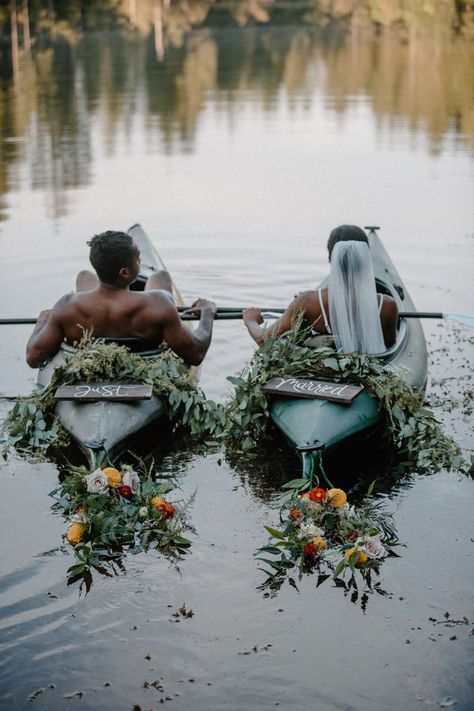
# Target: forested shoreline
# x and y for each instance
(28, 21)
(178, 53)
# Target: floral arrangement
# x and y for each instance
(322, 532)
(109, 511)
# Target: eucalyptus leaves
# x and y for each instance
(32, 427)
(238, 424)
(412, 429)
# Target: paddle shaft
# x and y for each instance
(237, 312)
(229, 314)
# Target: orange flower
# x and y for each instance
(318, 542)
(337, 497)
(361, 558)
(113, 475)
(317, 494)
(75, 532)
(295, 514)
(83, 508)
(167, 510)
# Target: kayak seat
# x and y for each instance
(136, 345)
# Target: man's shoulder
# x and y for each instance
(64, 303)
(159, 298)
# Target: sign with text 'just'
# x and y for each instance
(118, 392)
(306, 388)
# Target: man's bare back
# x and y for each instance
(112, 310)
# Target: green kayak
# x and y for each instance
(314, 425)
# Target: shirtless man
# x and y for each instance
(105, 305)
(316, 307)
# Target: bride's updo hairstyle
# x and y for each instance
(346, 233)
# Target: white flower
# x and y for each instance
(372, 547)
(308, 530)
(79, 518)
(143, 512)
(346, 511)
(97, 482)
(131, 479)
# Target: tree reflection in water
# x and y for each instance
(74, 74)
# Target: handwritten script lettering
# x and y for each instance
(306, 388)
(89, 392)
(103, 390)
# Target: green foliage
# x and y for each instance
(31, 426)
(412, 428)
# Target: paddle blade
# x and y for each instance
(464, 317)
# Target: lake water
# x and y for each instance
(238, 152)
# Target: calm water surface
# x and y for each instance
(238, 153)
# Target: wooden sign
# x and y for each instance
(118, 392)
(305, 388)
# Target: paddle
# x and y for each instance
(464, 317)
(235, 313)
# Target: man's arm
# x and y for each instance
(191, 346)
(46, 338)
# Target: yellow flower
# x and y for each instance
(157, 501)
(75, 532)
(361, 558)
(113, 475)
(318, 542)
(337, 497)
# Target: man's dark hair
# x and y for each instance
(345, 233)
(110, 251)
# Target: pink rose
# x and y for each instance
(96, 482)
(131, 479)
(372, 547)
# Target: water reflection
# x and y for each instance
(47, 118)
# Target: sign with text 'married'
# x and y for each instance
(118, 392)
(305, 388)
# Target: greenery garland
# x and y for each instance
(413, 429)
(32, 426)
(244, 419)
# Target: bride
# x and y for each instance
(350, 310)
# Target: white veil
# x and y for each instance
(353, 306)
